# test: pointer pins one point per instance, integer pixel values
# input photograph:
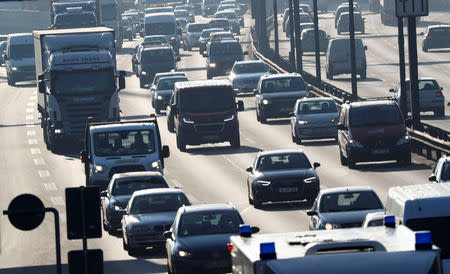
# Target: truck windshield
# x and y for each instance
(160, 28)
(83, 82)
(21, 51)
(121, 143)
(78, 20)
(439, 227)
(207, 100)
(209, 223)
(109, 12)
(375, 115)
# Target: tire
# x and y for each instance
(343, 159)
(236, 141)
(208, 75)
(106, 227)
(440, 112)
(180, 144)
(170, 126)
(298, 140)
(157, 110)
(364, 75)
(169, 271)
(351, 164)
(125, 246)
(294, 138)
(11, 82)
(132, 251)
(425, 49)
(141, 82)
(262, 119)
(257, 204)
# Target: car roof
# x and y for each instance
(249, 62)
(208, 208)
(156, 47)
(313, 99)
(372, 103)
(346, 189)
(173, 73)
(137, 174)
(119, 126)
(281, 75)
(439, 26)
(203, 83)
(280, 151)
(197, 23)
(155, 191)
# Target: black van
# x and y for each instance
(221, 57)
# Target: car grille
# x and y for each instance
(349, 225)
(209, 128)
(380, 143)
(123, 169)
(211, 255)
(28, 68)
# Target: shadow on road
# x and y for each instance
(286, 121)
(222, 150)
(285, 206)
(319, 142)
(389, 167)
(152, 253)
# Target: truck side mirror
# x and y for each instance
(165, 152)
(167, 234)
(240, 105)
(41, 86)
(121, 82)
(104, 194)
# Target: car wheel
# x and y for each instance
(298, 140)
(262, 119)
(257, 204)
(157, 110)
(425, 49)
(236, 141)
(11, 82)
(250, 200)
(106, 226)
(132, 251)
(125, 246)
(180, 144)
(294, 139)
(440, 112)
(141, 82)
(351, 164)
(208, 75)
(364, 74)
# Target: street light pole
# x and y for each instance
(352, 49)
(316, 40)
(275, 27)
(298, 43)
(291, 36)
(401, 55)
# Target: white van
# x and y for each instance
(19, 58)
(163, 23)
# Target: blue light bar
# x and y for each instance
(389, 221)
(267, 251)
(244, 229)
(423, 238)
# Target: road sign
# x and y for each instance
(26, 212)
(83, 207)
(94, 262)
(405, 8)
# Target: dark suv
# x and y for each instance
(205, 112)
(372, 131)
(221, 57)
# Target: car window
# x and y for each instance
(283, 161)
(197, 27)
(152, 203)
(225, 49)
(129, 185)
(445, 173)
(375, 115)
(375, 223)
(166, 84)
(428, 85)
(349, 201)
(283, 85)
(160, 55)
(203, 223)
(250, 68)
(317, 107)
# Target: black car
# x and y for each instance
(122, 185)
(197, 241)
(221, 57)
(282, 175)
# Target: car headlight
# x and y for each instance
(354, 143)
(302, 122)
(188, 120)
(173, 38)
(263, 183)
(333, 120)
(58, 131)
(184, 254)
(159, 97)
(14, 68)
(310, 179)
(155, 165)
(404, 140)
(140, 229)
(330, 226)
(99, 169)
(228, 118)
(143, 73)
(265, 102)
(118, 208)
(212, 65)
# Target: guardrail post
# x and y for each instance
(298, 43)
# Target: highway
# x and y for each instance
(207, 173)
(382, 58)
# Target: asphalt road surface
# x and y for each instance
(207, 173)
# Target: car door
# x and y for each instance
(343, 133)
(314, 220)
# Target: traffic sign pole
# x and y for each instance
(352, 49)
(401, 55)
(413, 71)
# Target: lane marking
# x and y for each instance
(33, 98)
(35, 151)
(29, 117)
(32, 141)
(29, 110)
(29, 125)
(50, 187)
(39, 162)
(57, 200)
(30, 104)
(31, 132)
(44, 173)
(245, 210)
(231, 162)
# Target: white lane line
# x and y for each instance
(29, 125)
(32, 141)
(250, 140)
(31, 132)
(50, 187)
(44, 173)
(57, 200)
(234, 164)
(176, 183)
(30, 104)
(35, 151)
(39, 162)
(29, 110)
(33, 98)
(29, 117)
(245, 210)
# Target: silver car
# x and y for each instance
(149, 213)
(244, 75)
(314, 118)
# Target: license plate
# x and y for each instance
(210, 137)
(380, 151)
(288, 189)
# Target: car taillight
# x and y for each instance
(438, 94)
(331, 63)
(429, 37)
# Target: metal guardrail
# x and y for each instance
(427, 140)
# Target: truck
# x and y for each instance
(119, 147)
(111, 18)
(59, 6)
(76, 77)
(382, 249)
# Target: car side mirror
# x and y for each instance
(341, 127)
(365, 48)
(205, 55)
(240, 105)
(245, 52)
(442, 88)
(104, 193)
(121, 82)
(41, 86)
(249, 169)
(167, 234)
(392, 90)
(316, 165)
(178, 58)
(311, 213)
(83, 156)
(165, 151)
(254, 229)
(432, 178)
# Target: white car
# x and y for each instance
(441, 172)
(244, 75)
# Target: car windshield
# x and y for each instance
(349, 201)
(158, 202)
(218, 49)
(167, 84)
(445, 173)
(439, 32)
(197, 27)
(129, 185)
(83, 82)
(157, 55)
(155, 39)
(157, 77)
(160, 28)
(317, 107)
(375, 115)
(19, 51)
(283, 85)
(204, 223)
(207, 32)
(181, 13)
(124, 142)
(207, 100)
(228, 15)
(219, 23)
(77, 20)
(283, 161)
(250, 68)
